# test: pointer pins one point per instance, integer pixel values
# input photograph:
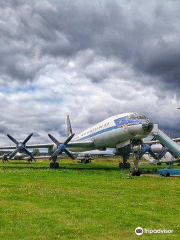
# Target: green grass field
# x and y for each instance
(94, 201)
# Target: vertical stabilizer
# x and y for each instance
(69, 128)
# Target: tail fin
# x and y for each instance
(69, 128)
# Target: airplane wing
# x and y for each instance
(38, 157)
(28, 146)
(71, 145)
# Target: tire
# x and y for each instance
(51, 165)
(127, 165)
(121, 165)
(167, 174)
(56, 165)
(124, 166)
(135, 173)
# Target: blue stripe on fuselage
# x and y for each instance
(119, 123)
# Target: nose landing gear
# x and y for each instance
(135, 172)
(136, 155)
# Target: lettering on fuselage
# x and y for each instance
(124, 122)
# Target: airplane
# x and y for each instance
(98, 153)
(168, 158)
(20, 156)
(121, 132)
(5, 157)
(88, 156)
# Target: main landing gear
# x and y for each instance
(54, 164)
(124, 164)
(134, 144)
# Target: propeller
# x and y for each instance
(61, 147)
(20, 146)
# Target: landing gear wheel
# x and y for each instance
(135, 172)
(56, 165)
(124, 165)
(168, 174)
(128, 165)
(51, 165)
(121, 165)
(87, 161)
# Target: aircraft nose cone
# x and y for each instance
(147, 126)
(61, 146)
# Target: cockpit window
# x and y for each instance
(136, 116)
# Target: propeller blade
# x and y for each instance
(54, 139)
(28, 153)
(29, 160)
(12, 139)
(14, 153)
(27, 139)
(34, 155)
(58, 151)
(69, 154)
(69, 139)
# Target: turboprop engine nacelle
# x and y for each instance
(155, 148)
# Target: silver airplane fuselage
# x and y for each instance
(114, 130)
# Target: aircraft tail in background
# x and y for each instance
(69, 128)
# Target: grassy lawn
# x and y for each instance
(94, 201)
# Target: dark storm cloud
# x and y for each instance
(145, 35)
(3, 128)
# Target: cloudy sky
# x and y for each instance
(88, 59)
